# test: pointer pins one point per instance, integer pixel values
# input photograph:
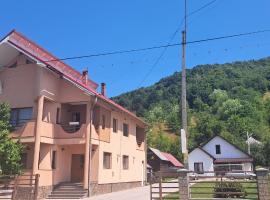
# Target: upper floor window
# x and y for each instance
(125, 129)
(218, 150)
(107, 160)
(19, 116)
(103, 121)
(115, 125)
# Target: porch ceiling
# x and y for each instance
(7, 54)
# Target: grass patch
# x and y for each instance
(209, 188)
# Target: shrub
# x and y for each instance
(229, 187)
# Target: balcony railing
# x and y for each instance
(70, 128)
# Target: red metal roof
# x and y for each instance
(28, 46)
(172, 159)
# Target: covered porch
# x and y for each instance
(61, 163)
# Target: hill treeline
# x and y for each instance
(223, 99)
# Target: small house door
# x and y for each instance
(77, 166)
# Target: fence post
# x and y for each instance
(150, 181)
(36, 186)
(183, 184)
(15, 188)
(263, 184)
(160, 185)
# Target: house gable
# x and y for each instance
(198, 155)
(227, 150)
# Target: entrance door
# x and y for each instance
(77, 165)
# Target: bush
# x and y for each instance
(229, 187)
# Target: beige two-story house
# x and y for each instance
(71, 132)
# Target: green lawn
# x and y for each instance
(209, 187)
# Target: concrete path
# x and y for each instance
(140, 193)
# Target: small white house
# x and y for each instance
(219, 155)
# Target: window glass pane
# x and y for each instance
(103, 121)
(125, 129)
(25, 114)
(114, 125)
(13, 117)
(107, 160)
(125, 162)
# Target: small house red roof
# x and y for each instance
(172, 159)
(40, 54)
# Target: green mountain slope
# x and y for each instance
(223, 99)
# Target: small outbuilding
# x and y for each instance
(162, 161)
(218, 154)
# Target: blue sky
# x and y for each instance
(81, 27)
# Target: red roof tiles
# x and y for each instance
(26, 45)
(172, 159)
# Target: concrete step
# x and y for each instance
(68, 191)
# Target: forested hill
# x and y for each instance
(224, 99)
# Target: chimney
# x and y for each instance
(85, 77)
(103, 89)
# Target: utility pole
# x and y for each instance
(248, 143)
(184, 89)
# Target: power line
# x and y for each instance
(171, 38)
(156, 47)
(201, 8)
(228, 36)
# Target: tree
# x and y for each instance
(10, 151)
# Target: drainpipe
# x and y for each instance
(90, 148)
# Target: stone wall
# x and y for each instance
(263, 184)
(97, 189)
(27, 193)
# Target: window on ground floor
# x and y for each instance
(107, 160)
(198, 167)
(125, 162)
(53, 159)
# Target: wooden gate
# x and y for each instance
(164, 185)
(23, 187)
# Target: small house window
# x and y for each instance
(107, 160)
(125, 130)
(198, 167)
(218, 150)
(103, 121)
(53, 159)
(125, 162)
(115, 125)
